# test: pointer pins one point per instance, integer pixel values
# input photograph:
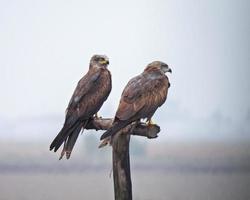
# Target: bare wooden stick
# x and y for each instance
(140, 129)
(121, 167)
(120, 153)
(99, 123)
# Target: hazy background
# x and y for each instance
(45, 48)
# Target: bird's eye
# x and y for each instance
(101, 60)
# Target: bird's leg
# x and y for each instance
(150, 122)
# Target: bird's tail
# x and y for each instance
(68, 135)
(70, 142)
(117, 125)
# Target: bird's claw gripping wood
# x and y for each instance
(97, 116)
(150, 122)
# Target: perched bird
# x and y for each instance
(91, 92)
(141, 97)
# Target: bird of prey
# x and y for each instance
(141, 97)
(91, 92)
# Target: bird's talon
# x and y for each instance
(96, 116)
(150, 122)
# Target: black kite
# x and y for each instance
(141, 97)
(91, 92)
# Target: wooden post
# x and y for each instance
(120, 153)
(121, 167)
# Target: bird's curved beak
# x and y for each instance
(104, 62)
(165, 68)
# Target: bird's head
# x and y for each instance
(158, 65)
(99, 61)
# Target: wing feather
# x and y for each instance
(141, 94)
(85, 85)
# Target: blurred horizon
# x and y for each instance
(44, 128)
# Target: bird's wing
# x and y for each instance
(85, 85)
(140, 93)
(131, 99)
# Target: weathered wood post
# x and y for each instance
(120, 152)
(121, 167)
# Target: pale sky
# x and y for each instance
(45, 47)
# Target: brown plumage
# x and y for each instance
(91, 92)
(141, 97)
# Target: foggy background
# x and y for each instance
(45, 48)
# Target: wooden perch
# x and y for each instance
(140, 129)
(120, 154)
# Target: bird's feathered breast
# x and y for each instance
(143, 94)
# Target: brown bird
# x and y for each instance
(141, 97)
(91, 92)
